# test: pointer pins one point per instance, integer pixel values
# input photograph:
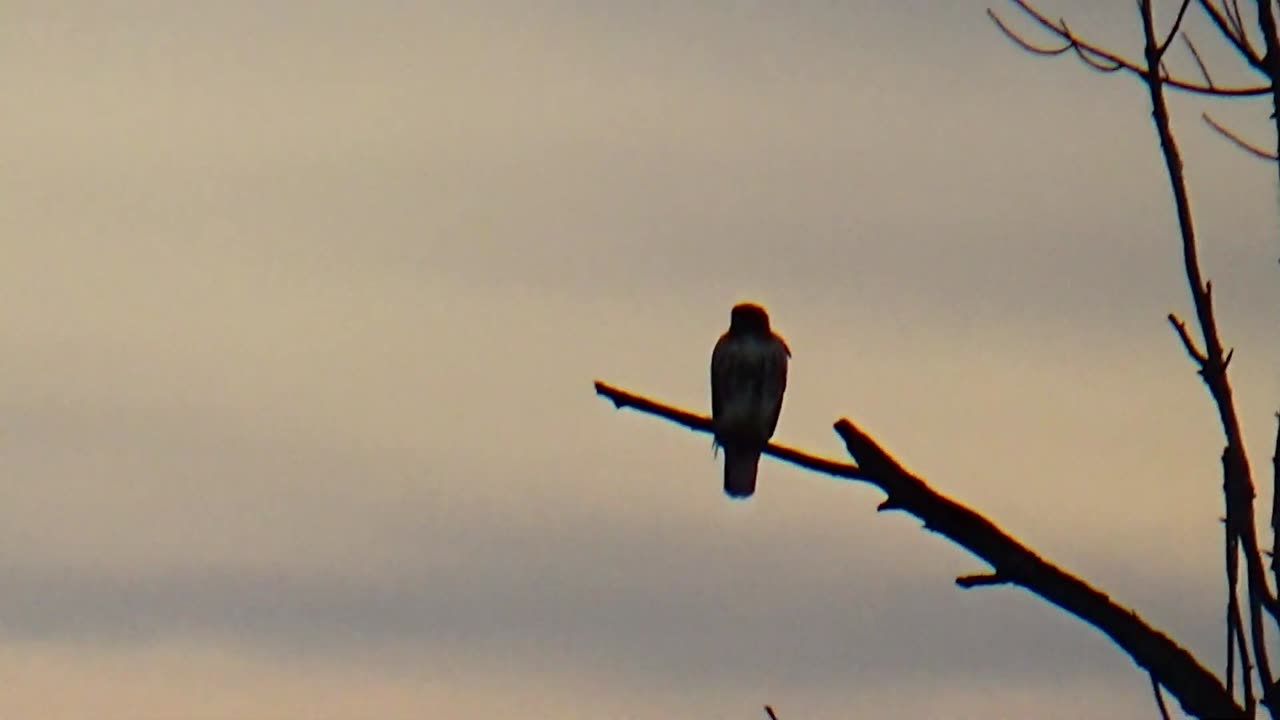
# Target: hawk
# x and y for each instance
(748, 378)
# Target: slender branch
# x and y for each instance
(1255, 150)
(981, 580)
(1233, 9)
(1228, 23)
(1105, 60)
(1235, 624)
(1271, 60)
(1246, 667)
(1267, 23)
(1195, 54)
(1023, 42)
(1275, 506)
(1197, 690)
(1101, 64)
(1155, 688)
(1230, 674)
(1187, 342)
(769, 711)
(701, 423)
(1173, 30)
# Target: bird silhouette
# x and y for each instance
(748, 379)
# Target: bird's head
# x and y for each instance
(749, 318)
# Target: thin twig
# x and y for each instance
(1101, 64)
(1255, 150)
(981, 580)
(1023, 42)
(769, 711)
(1237, 24)
(1155, 688)
(1204, 70)
(1228, 24)
(1187, 342)
(1173, 30)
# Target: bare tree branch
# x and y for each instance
(1173, 29)
(769, 711)
(1234, 137)
(1213, 368)
(701, 423)
(1237, 25)
(1228, 23)
(1100, 58)
(1176, 669)
(1275, 505)
(1271, 61)
(1187, 342)
(1024, 43)
(1195, 54)
(982, 579)
(1246, 667)
(1236, 642)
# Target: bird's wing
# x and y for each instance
(775, 380)
(720, 360)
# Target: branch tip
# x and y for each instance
(1185, 336)
(1234, 137)
(982, 579)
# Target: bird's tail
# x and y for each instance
(740, 466)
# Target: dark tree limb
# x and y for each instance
(1196, 689)
(1212, 364)
(1235, 624)
(1275, 505)
(769, 711)
(1271, 60)
(1173, 29)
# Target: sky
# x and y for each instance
(303, 302)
